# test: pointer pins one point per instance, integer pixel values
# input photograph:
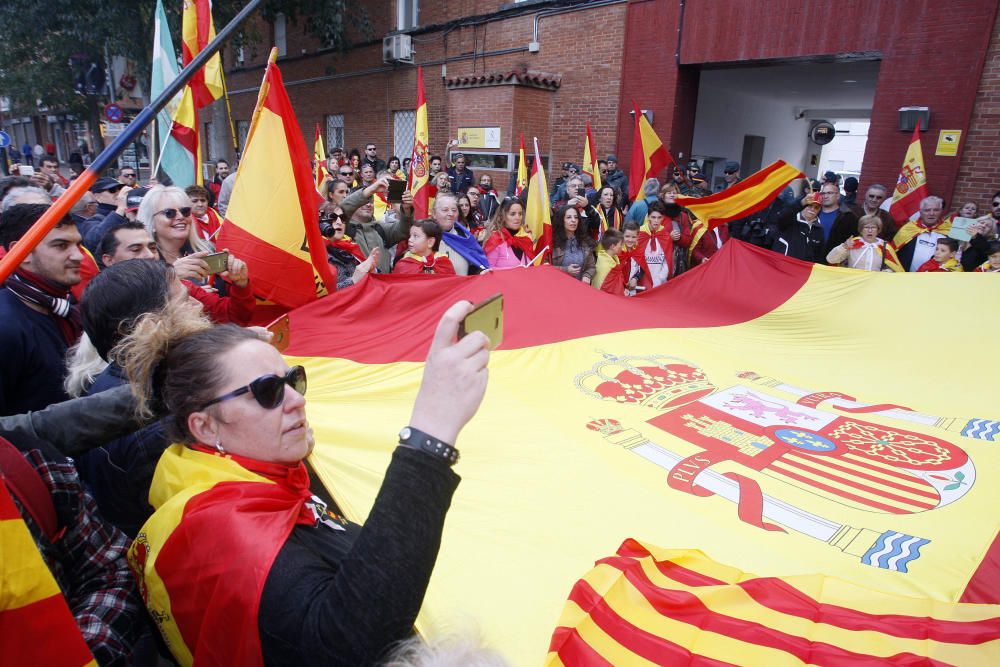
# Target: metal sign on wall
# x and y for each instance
(479, 137)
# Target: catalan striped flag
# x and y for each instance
(319, 158)
(420, 160)
(272, 222)
(538, 214)
(36, 625)
(522, 171)
(197, 30)
(649, 155)
(751, 195)
(589, 164)
(646, 605)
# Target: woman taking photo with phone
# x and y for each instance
(240, 564)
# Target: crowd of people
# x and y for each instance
(129, 349)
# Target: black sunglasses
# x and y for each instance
(128, 175)
(171, 213)
(269, 390)
(347, 173)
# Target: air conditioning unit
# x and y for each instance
(397, 49)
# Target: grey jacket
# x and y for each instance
(369, 235)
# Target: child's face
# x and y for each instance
(655, 221)
(617, 248)
(995, 260)
(631, 238)
(419, 243)
(942, 253)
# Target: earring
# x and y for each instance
(218, 446)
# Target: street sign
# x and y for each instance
(114, 113)
(4, 139)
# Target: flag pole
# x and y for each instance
(60, 208)
(229, 113)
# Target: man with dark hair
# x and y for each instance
(221, 173)
(435, 167)
(371, 157)
(617, 178)
(129, 240)
(38, 317)
(460, 177)
(56, 184)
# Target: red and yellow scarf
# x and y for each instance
(203, 557)
(915, 228)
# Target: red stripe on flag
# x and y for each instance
(186, 137)
(782, 597)
(829, 462)
(701, 298)
(816, 468)
(839, 492)
(982, 588)
(42, 633)
(644, 644)
(283, 277)
(574, 649)
(688, 608)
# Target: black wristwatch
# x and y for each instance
(416, 439)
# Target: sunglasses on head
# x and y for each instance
(171, 213)
(269, 390)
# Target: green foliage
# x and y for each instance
(41, 37)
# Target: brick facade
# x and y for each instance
(668, 43)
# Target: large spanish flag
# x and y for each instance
(36, 625)
(420, 160)
(911, 186)
(197, 30)
(589, 164)
(649, 155)
(537, 213)
(272, 221)
(739, 410)
(751, 195)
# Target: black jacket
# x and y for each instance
(346, 597)
(799, 239)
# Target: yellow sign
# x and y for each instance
(479, 137)
(948, 142)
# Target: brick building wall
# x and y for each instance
(367, 91)
(978, 177)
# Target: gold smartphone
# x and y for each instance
(217, 262)
(281, 333)
(487, 317)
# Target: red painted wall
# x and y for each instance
(932, 55)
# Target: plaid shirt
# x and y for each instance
(88, 562)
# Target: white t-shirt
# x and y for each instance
(923, 249)
(656, 260)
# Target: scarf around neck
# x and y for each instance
(57, 302)
(462, 241)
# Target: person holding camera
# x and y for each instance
(344, 254)
(359, 217)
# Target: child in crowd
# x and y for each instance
(991, 265)
(608, 275)
(629, 258)
(656, 246)
(422, 255)
(944, 257)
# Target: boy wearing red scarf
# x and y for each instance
(421, 256)
(39, 318)
(656, 248)
(629, 257)
(944, 257)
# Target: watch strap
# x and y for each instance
(417, 439)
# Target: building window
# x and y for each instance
(242, 130)
(280, 39)
(403, 129)
(334, 131)
(407, 14)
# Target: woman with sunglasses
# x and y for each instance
(343, 253)
(241, 564)
(166, 213)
